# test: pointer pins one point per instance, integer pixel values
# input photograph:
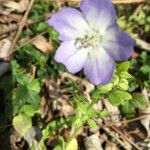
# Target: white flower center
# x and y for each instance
(90, 39)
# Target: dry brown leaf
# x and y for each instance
(5, 45)
(10, 18)
(11, 6)
(42, 44)
(66, 108)
(93, 142)
(146, 121)
(114, 111)
(111, 146)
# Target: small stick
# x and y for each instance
(14, 27)
(131, 120)
(127, 1)
(123, 136)
(29, 22)
(142, 44)
(22, 24)
(115, 137)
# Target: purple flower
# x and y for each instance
(91, 40)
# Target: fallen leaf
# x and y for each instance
(111, 146)
(19, 7)
(93, 142)
(33, 137)
(114, 111)
(146, 121)
(5, 45)
(42, 44)
(22, 123)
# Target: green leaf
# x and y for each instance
(92, 123)
(104, 89)
(123, 84)
(124, 66)
(42, 27)
(23, 95)
(115, 80)
(53, 34)
(73, 145)
(96, 95)
(144, 56)
(117, 97)
(19, 73)
(58, 147)
(128, 109)
(22, 123)
(125, 75)
(34, 85)
(103, 114)
(28, 110)
(139, 101)
(145, 69)
(82, 107)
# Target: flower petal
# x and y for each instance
(98, 13)
(69, 22)
(65, 51)
(72, 58)
(119, 45)
(99, 67)
(77, 61)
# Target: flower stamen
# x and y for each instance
(92, 39)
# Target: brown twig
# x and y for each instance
(131, 120)
(22, 24)
(14, 27)
(127, 1)
(111, 133)
(142, 44)
(122, 135)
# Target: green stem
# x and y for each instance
(74, 134)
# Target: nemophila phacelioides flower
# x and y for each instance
(91, 39)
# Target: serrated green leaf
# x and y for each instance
(104, 89)
(125, 75)
(117, 97)
(92, 123)
(139, 101)
(122, 67)
(123, 84)
(115, 80)
(22, 123)
(82, 107)
(96, 95)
